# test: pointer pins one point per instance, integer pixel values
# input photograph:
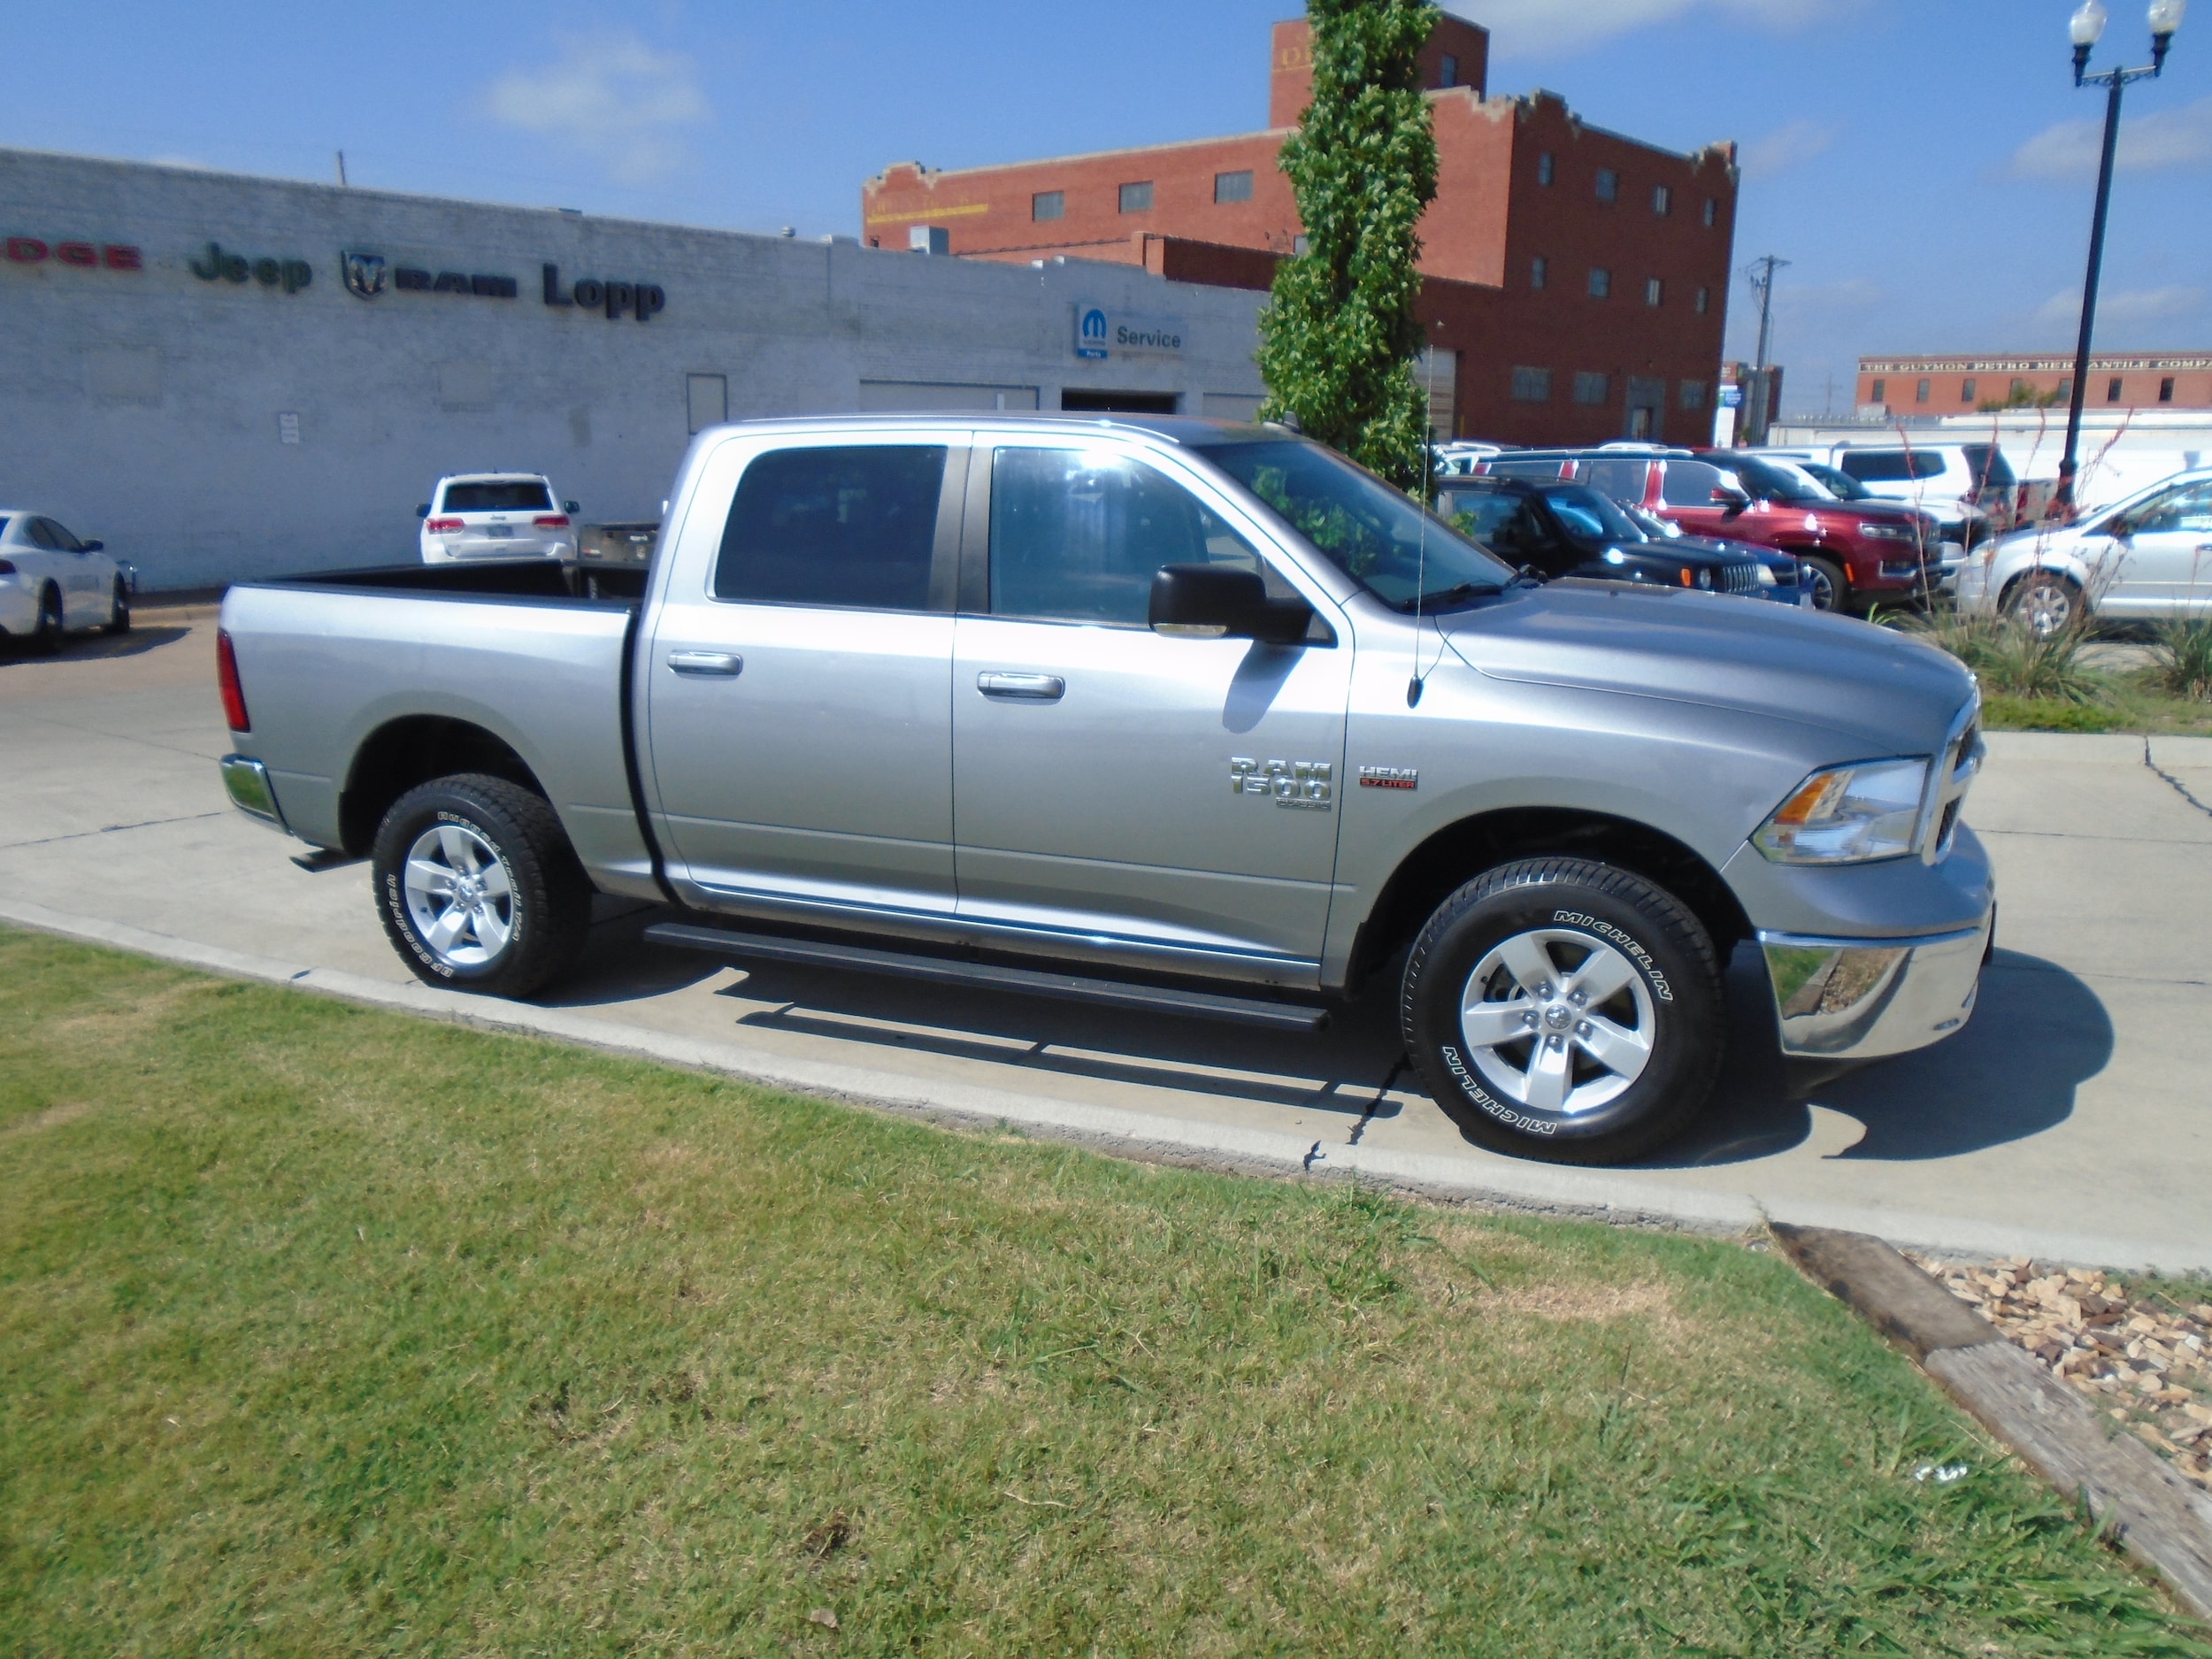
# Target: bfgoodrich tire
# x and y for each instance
(478, 886)
(1564, 1010)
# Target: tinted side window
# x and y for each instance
(1987, 464)
(834, 527)
(61, 539)
(1501, 521)
(1690, 484)
(2188, 508)
(1541, 470)
(1622, 480)
(1076, 536)
(42, 532)
(1875, 467)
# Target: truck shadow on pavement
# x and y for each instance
(2036, 1034)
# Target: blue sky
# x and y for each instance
(1926, 165)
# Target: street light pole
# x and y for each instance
(1758, 404)
(2087, 27)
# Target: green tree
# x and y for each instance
(1338, 335)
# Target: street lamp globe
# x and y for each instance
(2087, 24)
(2166, 15)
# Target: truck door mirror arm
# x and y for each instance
(1212, 602)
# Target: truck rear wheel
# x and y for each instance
(478, 886)
(1564, 1010)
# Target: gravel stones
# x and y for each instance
(2144, 1359)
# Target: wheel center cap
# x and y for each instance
(1558, 1016)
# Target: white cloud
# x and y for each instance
(613, 97)
(2169, 138)
(1553, 28)
(2134, 305)
(1786, 146)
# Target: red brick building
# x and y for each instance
(1957, 386)
(1576, 280)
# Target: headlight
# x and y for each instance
(1767, 578)
(1886, 532)
(1704, 578)
(1848, 815)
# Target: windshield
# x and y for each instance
(1762, 481)
(1371, 531)
(1593, 517)
(1841, 485)
(1654, 528)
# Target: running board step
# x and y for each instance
(1065, 988)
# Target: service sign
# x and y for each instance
(1105, 333)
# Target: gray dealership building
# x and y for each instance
(227, 377)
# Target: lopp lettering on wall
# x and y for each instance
(640, 299)
(84, 255)
(214, 265)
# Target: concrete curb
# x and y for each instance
(2158, 1518)
(1619, 1197)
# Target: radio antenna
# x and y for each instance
(1421, 552)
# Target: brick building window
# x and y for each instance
(1543, 168)
(1047, 205)
(2018, 389)
(2166, 390)
(1137, 198)
(1590, 389)
(1920, 391)
(1654, 291)
(2112, 390)
(1232, 187)
(2065, 393)
(1608, 185)
(1447, 72)
(1880, 394)
(1712, 211)
(1662, 200)
(1704, 301)
(1539, 268)
(1532, 386)
(1692, 394)
(1966, 391)
(1601, 282)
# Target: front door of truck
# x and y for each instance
(798, 682)
(1118, 791)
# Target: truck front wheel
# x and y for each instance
(1566, 1009)
(478, 886)
(1831, 591)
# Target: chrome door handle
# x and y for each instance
(725, 664)
(1033, 687)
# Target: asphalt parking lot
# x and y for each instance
(2073, 1120)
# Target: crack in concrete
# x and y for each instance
(108, 829)
(2180, 788)
(1375, 1105)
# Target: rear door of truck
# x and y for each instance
(798, 678)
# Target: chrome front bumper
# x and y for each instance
(1860, 999)
(247, 783)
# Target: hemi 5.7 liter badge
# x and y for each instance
(1389, 778)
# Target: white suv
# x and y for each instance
(1968, 487)
(496, 516)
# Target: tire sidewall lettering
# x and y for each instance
(1511, 1118)
(1627, 942)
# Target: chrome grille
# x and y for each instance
(1740, 576)
(1949, 780)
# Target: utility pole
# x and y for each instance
(1759, 405)
(341, 167)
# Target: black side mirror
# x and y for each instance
(1730, 499)
(91, 547)
(1213, 602)
(423, 511)
(570, 506)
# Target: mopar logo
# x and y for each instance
(1090, 333)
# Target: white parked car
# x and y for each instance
(51, 584)
(496, 516)
(2149, 556)
(1968, 487)
(1458, 458)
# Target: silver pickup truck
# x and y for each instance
(1172, 714)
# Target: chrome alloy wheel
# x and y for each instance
(2047, 605)
(459, 896)
(1557, 1021)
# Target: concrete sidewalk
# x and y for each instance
(2068, 1121)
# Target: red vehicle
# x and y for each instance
(1855, 554)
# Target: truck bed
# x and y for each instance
(345, 672)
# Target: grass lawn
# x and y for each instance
(2119, 703)
(329, 1331)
